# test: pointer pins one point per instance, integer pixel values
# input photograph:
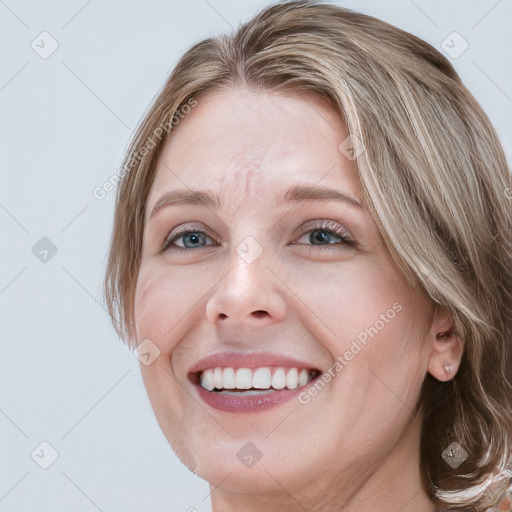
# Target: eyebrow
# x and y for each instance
(214, 202)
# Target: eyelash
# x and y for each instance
(330, 227)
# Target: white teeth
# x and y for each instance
(243, 378)
(279, 379)
(264, 378)
(261, 378)
(292, 378)
(207, 379)
(229, 378)
(217, 378)
(303, 377)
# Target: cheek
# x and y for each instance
(370, 316)
(352, 298)
(164, 298)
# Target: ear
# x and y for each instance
(446, 347)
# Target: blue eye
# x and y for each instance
(186, 240)
(326, 234)
(323, 237)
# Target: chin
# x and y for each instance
(240, 466)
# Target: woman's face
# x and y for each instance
(262, 269)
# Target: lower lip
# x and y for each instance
(252, 403)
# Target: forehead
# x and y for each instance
(245, 144)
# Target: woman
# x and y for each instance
(311, 253)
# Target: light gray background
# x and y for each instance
(64, 122)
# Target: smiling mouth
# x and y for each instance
(254, 381)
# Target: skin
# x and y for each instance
(355, 445)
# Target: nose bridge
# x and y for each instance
(247, 293)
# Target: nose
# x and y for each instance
(249, 295)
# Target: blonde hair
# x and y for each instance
(435, 180)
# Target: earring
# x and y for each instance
(448, 368)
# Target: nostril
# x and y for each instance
(259, 313)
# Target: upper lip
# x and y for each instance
(249, 360)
